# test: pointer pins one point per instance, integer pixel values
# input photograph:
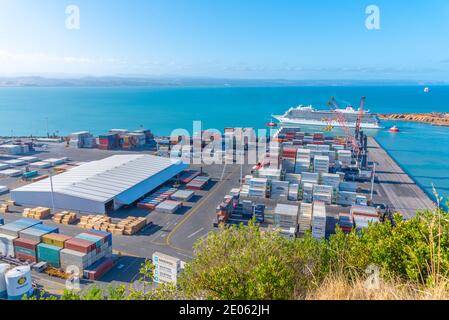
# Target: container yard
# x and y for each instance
(318, 183)
(315, 186)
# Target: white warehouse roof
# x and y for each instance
(124, 178)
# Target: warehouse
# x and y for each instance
(101, 186)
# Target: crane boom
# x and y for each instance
(342, 121)
(359, 117)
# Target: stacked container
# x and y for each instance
(305, 217)
(279, 189)
(98, 269)
(127, 141)
(348, 186)
(25, 249)
(55, 239)
(149, 136)
(344, 158)
(308, 177)
(322, 193)
(286, 216)
(224, 210)
(86, 249)
(139, 138)
(331, 179)
(293, 178)
(166, 268)
(182, 195)
(36, 232)
(269, 174)
(15, 227)
(346, 198)
(319, 220)
(156, 198)
(293, 192)
(82, 139)
(258, 187)
(307, 192)
(7, 245)
(321, 164)
(169, 206)
(49, 254)
(188, 175)
(259, 212)
(345, 222)
(363, 216)
(108, 141)
(198, 183)
(302, 160)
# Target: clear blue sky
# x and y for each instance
(291, 39)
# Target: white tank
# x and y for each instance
(18, 282)
(3, 268)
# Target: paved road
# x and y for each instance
(199, 221)
(393, 184)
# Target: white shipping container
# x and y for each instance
(7, 245)
(10, 173)
(305, 217)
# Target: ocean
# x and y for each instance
(422, 150)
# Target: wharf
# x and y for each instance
(392, 183)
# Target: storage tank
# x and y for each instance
(18, 282)
(3, 268)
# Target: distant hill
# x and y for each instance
(147, 81)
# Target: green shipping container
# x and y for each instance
(49, 254)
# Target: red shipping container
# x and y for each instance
(25, 257)
(92, 232)
(79, 245)
(25, 243)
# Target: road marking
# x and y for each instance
(215, 188)
(199, 230)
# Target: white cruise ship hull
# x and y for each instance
(334, 123)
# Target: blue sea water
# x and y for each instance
(422, 150)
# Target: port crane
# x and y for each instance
(359, 118)
(342, 121)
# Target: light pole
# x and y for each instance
(50, 172)
(372, 181)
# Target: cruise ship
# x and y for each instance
(307, 115)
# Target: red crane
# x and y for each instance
(342, 121)
(360, 116)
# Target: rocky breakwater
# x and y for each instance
(435, 118)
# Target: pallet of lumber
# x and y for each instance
(131, 225)
(4, 208)
(36, 213)
(65, 217)
(95, 222)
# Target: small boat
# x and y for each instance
(394, 129)
(426, 89)
(272, 124)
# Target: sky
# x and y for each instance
(252, 39)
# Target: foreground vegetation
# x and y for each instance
(399, 260)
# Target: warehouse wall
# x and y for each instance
(62, 202)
